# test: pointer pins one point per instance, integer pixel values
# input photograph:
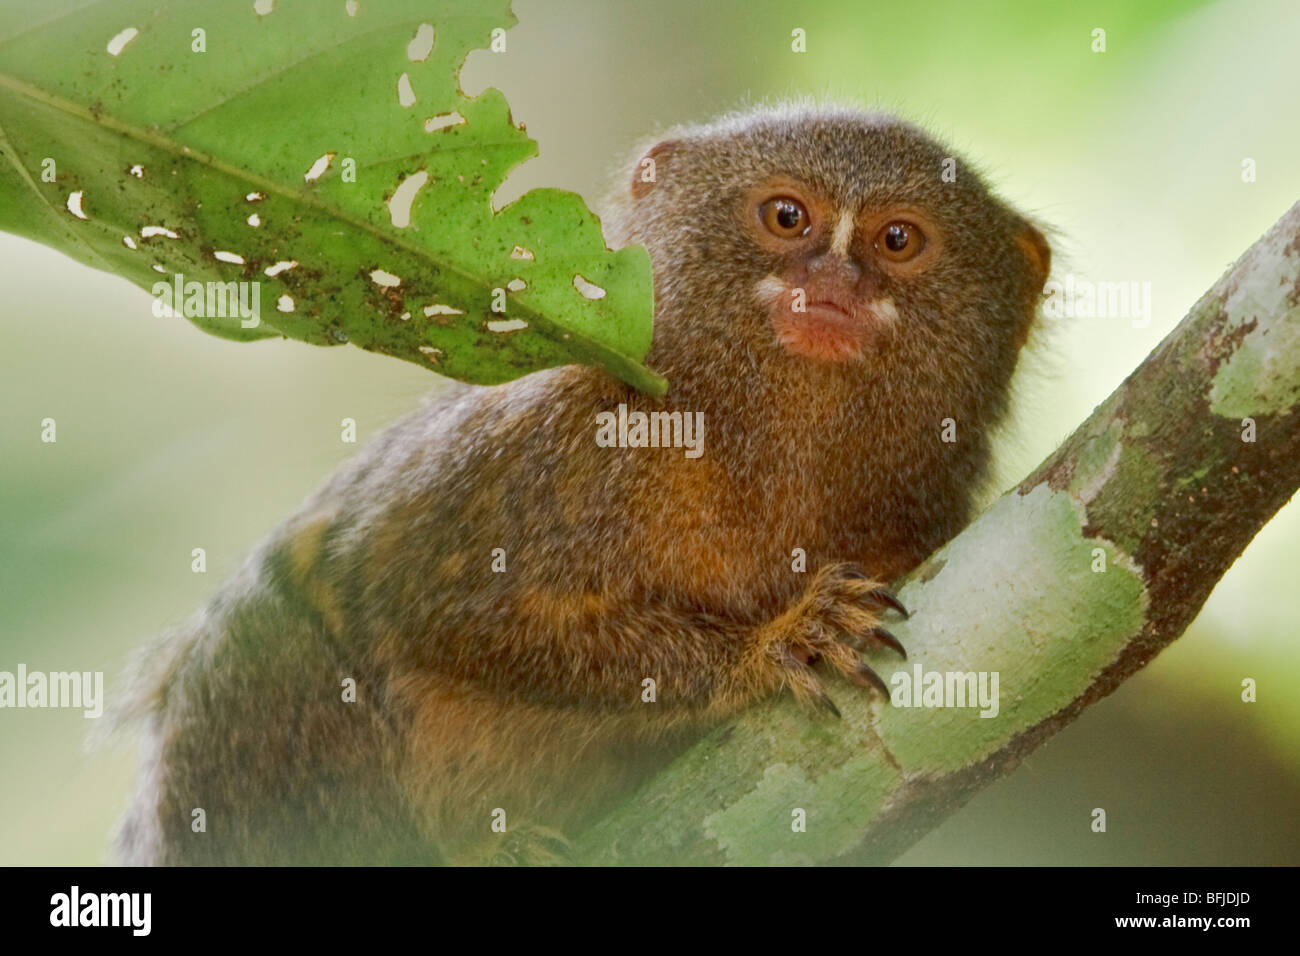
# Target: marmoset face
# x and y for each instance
(829, 296)
(837, 237)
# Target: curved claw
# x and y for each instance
(881, 596)
(864, 676)
(884, 637)
(825, 701)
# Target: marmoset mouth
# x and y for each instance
(826, 331)
(832, 305)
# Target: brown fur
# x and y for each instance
(523, 690)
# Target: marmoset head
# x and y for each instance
(835, 237)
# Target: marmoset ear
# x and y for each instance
(1038, 265)
(1038, 254)
(653, 165)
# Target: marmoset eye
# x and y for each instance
(899, 241)
(785, 217)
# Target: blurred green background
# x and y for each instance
(169, 439)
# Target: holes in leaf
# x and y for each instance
(589, 290)
(148, 232)
(405, 95)
(399, 206)
(431, 353)
(128, 242)
(254, 220)
(506, 325)
(284, 265)
(317, 168)
(157, 268)
(137, 171)
(443, 120)
(380, 277)
(352, 7)
(418, 50)
(263, 7)
(254, 197)
(284, 304)
(74, 204)
(442, 310)
(519, 252)
(119, 42)
(232, 257)
(516, 285)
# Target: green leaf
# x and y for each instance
(155, 136)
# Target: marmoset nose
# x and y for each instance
(833, 268)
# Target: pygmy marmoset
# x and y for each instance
(830, 286)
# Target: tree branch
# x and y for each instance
(1063, 588)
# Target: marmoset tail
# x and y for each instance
(544, 589)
